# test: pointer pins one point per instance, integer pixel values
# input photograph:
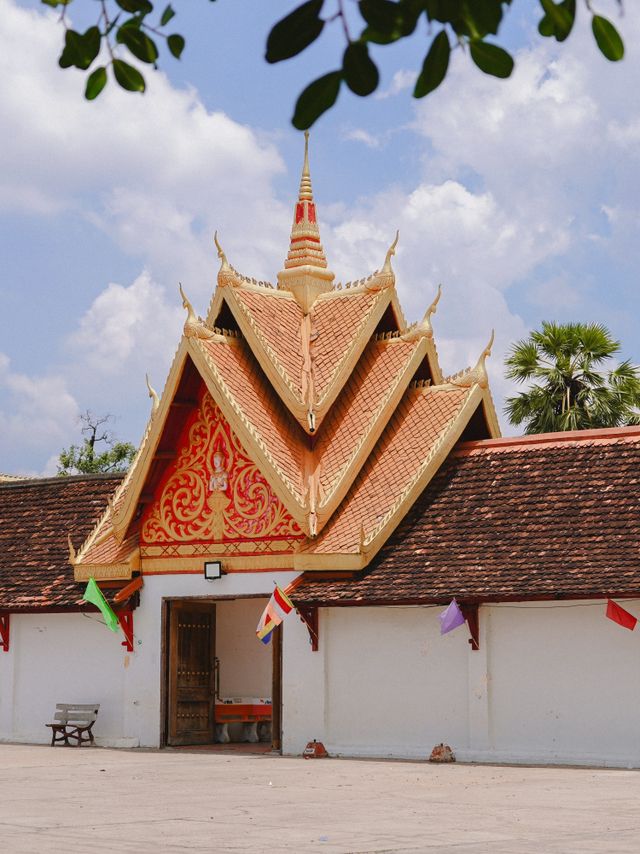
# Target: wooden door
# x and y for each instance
(191, 695)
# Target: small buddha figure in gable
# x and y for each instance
(219, 480)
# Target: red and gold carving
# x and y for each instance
(214, 492)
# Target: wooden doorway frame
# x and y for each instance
(276, 666)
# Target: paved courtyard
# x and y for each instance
(93, 800)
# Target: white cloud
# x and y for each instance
(169, 172)
(400, 82)
(125, 325)
(515, 175)
(38, 413)
(361, 135)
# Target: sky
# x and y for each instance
(522, 197)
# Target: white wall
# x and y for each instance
(552, 682)
(392, 686)
(57, 658)
(245, 663)
(564, 685)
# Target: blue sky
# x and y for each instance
(521, 197)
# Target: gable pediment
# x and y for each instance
(213, 496)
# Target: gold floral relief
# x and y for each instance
(214, 492)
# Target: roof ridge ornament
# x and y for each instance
(385, 278)
(423, 329)
(194, 326)
(478, 374)
(390, 252)
(153, 394)
(305, 272)
(226, 274)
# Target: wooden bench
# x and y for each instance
(74, 721)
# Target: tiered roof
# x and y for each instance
(340, 404)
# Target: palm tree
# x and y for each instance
(569, 389)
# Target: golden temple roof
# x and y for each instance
(341, 406)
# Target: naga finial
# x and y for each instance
(191, 315)
(487, 350)
(153, 394)
(194, 326)
(390, 252)
(478, 374)
(221, 254)
(423, 329)
(72, 551)
(434, 305)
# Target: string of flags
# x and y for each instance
(452, 617)
(280, 606)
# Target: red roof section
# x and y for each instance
(36, 517)
(547, 516)
(338, 319)
(421, 419)
(277, 319)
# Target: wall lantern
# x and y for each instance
(212, 570)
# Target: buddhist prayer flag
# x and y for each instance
(94, 595)
(451, 618)
(277, 609)
(620, 616)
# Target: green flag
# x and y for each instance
(94, 595)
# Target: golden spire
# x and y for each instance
(305, 193)
(305, 271)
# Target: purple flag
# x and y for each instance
(451, 618)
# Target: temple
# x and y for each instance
(297, 426)
(308, 437)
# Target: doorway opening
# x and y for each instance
(221, 686)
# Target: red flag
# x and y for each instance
(620, 616)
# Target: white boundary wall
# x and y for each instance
(60, 658)
(551, 683)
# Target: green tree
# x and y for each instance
(570, 385)
(87, 458)
(138, 28)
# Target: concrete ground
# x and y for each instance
(95, 800)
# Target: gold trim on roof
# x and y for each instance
(153, 394)
(477, 374)
(323, 366)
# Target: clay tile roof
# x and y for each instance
(339, 321)
(539, 517)
(421, 421)
(363, 408)
(308, 363)
(276, 320)
(253, 399)
(36, 516)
